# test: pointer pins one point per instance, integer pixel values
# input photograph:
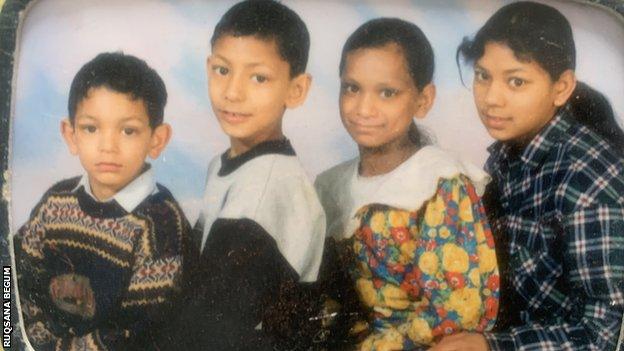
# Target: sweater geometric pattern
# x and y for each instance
(92, 276)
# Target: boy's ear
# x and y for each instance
(160, 138)
(564, 87)
(424, 101)
(68, 133)
(298, 90)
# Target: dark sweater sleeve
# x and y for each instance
(240, 276)
(33, 277)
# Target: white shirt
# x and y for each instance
(131, 195)
(343, 191)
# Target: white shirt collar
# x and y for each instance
(132, 194)
(407, 187)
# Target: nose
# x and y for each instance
(234, 89)
(109, 142)
(366, 105)
(494, 94)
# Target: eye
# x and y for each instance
(516, 82)
(388, 93)
(481, 76)
(129, 131)
(220, 70)
(90, 129)
(258, 78)
(348, 88)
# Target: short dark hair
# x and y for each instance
(268, 20)
(411, 39)
(125, 74)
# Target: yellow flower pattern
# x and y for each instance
(428, 263)
(454, 258)
(467, 303)
(487, 258)
(426, 273)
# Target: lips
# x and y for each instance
(233, 117)
(108, 167)
(495, 122)
(364, 127)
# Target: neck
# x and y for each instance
(102, 193)
(383, 159)
(240, 146)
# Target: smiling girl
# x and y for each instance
(408, 213)
(558, 186)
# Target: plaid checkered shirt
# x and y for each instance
(562, 214)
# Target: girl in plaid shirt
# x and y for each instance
(558, 185)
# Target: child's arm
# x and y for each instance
(33, 281)
(456, 264)
(240, 277)
(593, 251)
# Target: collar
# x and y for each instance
(349, 192)
(540, 146)
(132, 194)
(230, 164)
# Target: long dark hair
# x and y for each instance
(416, 49)
(540, 33)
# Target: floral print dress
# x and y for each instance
(423, 273)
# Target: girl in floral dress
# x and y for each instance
(409, 214)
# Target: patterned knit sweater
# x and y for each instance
(92, 276)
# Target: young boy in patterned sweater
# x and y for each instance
(100, 258)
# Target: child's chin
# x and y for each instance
(366, 140)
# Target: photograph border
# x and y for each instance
(12, 14)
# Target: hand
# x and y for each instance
(462, 341)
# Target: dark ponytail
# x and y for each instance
(592, 109)
(540, 33)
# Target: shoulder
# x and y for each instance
(162, 203)
(166, 219)
(64, 186)
(582, 143)
(594, 170)
(275, 172)
(56, 192)
(444, 168)
(288, 182)
(458, 188)
(336, 176)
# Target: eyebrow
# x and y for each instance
(125, 119)
(252, 64)
(85, 117)
(383, 84)
(507, 71)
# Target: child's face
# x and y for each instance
(112, 137)
(515, 99)
(250, 87)
(378, 97)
